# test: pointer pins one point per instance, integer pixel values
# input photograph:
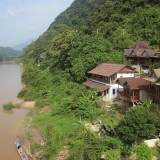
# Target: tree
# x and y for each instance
(137, 123)
(140, 45)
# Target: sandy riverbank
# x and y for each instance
(27, 105)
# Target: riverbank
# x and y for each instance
(28, 105)
(29, 135)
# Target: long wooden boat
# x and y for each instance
(21, 151)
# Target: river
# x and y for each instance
(10, 85)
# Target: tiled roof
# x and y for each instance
(121, 81)
(151, 52)
(139, 52)
(100, 86)
(127, 52)
(109, 69)
(136, 83)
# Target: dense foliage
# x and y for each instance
(88, 33)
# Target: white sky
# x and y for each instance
(21, 20)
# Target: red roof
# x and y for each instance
(136, 83)
(121, 81)
(109, 69)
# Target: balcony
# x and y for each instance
(103, 80)
(126, 96)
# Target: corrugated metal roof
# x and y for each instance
(109, 69)
(150, 79)
(157, 72)
(93, 84)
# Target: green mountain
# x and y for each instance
(7, 53)
(85, 35)
(97, 27)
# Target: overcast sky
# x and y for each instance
(21, 20)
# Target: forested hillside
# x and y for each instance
(88, 33)
(97, 28)
(7, 53)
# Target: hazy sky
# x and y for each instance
(21, 20)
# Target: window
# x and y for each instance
(114, 91)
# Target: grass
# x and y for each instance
(55, 130)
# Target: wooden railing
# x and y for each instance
(124, 95)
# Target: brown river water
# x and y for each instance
(10, 85)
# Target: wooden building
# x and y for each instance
(142, 58)
(105, 75)
(134, 89)
(153, 85)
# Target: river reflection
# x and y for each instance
(9, 112)
(10, 85)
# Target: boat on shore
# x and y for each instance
(21, 151)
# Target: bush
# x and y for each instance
(113, 154)
(40, 103)
(8, 106)
(144, 152)
(137, 123)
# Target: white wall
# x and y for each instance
(119, 75)
(110, 92)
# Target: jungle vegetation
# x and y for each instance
(86, 34)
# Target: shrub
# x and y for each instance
(137, 123)
(113, 154)
(40, 103)
(8, 106)
(144, 152)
